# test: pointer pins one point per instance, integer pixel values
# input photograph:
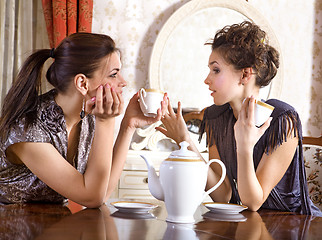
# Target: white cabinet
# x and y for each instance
(134, 180)
(133, 183)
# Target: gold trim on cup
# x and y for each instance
(264, 105)
(183, 160)
(153, 90)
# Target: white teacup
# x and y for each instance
(262, 112)
(150, 101)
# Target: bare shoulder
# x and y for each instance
(273, 165)
(40, 158)
(50, 166)
(24, 149)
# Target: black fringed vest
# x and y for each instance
(291, 193)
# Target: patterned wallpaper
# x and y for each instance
(135, 24)
(315, 119)
(298, 26)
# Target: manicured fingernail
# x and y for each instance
(93, 99)
(108, 85)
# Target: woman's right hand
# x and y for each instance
(106, 104)
(134, 117)
(246, 133)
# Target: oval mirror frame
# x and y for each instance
(194, 6)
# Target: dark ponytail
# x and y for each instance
(77, 53)
(22, 97)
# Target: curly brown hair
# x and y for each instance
(245, 45)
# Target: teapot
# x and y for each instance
(181, 183)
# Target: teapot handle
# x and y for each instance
(223, 175)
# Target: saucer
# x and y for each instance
(132, 215)
(225, 217)
(133, 207)
(224, 208)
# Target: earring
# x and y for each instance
(82, 113)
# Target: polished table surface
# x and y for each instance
(71, 221)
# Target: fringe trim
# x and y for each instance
(276, 134)
(281, 127)
(219, 125)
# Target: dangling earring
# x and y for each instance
(82, 113)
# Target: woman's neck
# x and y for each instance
(237, 103)
(72, 106)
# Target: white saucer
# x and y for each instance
(224, 208)
(133, 207)
(225, 217)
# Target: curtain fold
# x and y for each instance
(64, 17)
(22, 29)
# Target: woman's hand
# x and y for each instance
(174, 125)
(246, 133)
(134, 117)
(107, 103)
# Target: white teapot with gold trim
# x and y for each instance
(181, 183)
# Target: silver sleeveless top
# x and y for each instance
(17, 183)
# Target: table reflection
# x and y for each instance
(264, 224)
(86, 224)
(177, 231)
(49, 221)
(26, 221)
(292, 226)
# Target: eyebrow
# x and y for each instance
(115, 69)
(211, 63)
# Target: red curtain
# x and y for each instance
(64, 17)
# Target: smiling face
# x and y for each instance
(108, 73)
(223, 79)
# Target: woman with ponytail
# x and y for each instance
(60, 145)
(265, 167)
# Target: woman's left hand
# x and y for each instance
(174, 126)
(106, 104)
(135, 118)
(246, 133)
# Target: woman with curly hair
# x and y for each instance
(265, 166)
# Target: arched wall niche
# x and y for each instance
(178, 63)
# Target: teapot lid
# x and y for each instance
(183, 152)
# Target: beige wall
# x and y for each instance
(134, 25)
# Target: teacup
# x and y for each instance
(150, 101)
(262, 112)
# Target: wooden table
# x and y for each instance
(49, 221)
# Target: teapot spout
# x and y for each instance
(153, 181)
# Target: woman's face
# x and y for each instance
(223, 79)
(108, 73)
